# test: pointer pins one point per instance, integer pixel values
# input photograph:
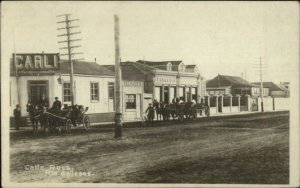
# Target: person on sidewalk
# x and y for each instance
(17, 116)
(150, 111)
(207, 111)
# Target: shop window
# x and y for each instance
(66, 92)
(94, 91)
(130, 101)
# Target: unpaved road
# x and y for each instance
(245, 149)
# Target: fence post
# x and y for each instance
(273, 103)
(248, 102)
(239, 102)
(216, 103)
(230, 102)
(222, 103)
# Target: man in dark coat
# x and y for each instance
(56, 104)
(156, 107)
(150, 111)
(30, 110)
(17, 116)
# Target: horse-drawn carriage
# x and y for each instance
(181, 111)
(185, 110)
(60, 120)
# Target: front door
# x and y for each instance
(38, 92)
(111, 97)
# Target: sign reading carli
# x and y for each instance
(37, 61)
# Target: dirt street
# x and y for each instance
(246, 149)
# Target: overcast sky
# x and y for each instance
(225, 38)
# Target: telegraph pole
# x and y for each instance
(118, 115)
(261, 70)
(68, 34)
(261, 86)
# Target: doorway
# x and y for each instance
(38, 92)
(111, 97)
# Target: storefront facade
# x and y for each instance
(40, 80)
(142, 83)
(93, 86)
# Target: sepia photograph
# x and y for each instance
(150, 94)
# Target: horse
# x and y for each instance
(33, 111)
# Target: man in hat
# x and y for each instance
(17, 116)
(56, 105)
(150, 111)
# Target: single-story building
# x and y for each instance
(275, 90)
(233, 85)
(44, 77)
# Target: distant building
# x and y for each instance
(276, 90)
(233, 85)
(285, 84)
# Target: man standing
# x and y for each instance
(17, 115)
(156, 106)
(150, 111)
(30, 110)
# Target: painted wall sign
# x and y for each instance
(37, 61)
(127, 83)
(165, 80)
(188, 81)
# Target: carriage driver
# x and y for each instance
(56, 105)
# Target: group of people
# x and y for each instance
(33, 110)
(176, 102)
(156, 106)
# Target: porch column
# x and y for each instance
(208, 101)
(190, 96)
(185, 95)
(177, 91)
(169, 94)
(163, 93)
(153, 93)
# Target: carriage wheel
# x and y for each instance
(86, 122)
(68, 125)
